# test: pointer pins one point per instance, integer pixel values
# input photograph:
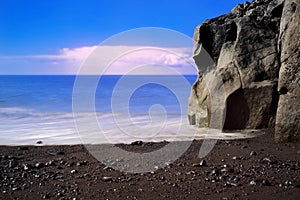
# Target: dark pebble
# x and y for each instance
(139, 143)
(265, 183)
(12, 163)
(39, 142)
(27, 167)
(60, 153)
(50, 163)
(39, 165)
(214, 172)
(230, 184)
(253, 153)
(269, 160)
(23, 148)
(82, 163)
(202, 163)
(4, 157)
(236, 158)
(107, 178)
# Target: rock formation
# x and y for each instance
(254, 58)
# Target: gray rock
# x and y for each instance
(288, 113)
(248, 69)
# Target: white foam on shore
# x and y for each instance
(26, 127)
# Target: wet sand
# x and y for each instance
(253, 168)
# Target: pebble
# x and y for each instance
(50, 163)
(23, 148)
(39, 142)
(27, 167)
(39, 165)
(82, 163)
(201, 164)
(107, 178)
(230, 184)
(139, 143)
(74, 171)
(252, 183)
(269, 160)
(265, 183)
(12, 163)
(214, 172)
(253, 153)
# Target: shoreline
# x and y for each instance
(252, 168)
(198, 134)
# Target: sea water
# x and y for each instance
(41, 108)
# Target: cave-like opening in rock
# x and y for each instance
(231, 32)
(237, 111)
(206, 38)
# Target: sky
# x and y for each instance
(56, 36)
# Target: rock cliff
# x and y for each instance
(255, 56)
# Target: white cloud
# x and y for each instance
(122, 59)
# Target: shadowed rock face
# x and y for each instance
(254, 50)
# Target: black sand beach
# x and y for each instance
(256, 168)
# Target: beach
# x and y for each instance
(253, 168)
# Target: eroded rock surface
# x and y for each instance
(254, 53)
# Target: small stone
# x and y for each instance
(70, 164)
(138, 143)
(269, 160)
(214, 172)
(252, 183)
(265, 183)
(231, 170)
(82, 163)
(39, 142)
(39, 165)
(46, 196)
(74, 171)
(4, 157)
(230, 184)
(60, 153)
(12, 163)
(107, 178)
(23, 148)
(253, 153)
(27, 167)
(50, 163)
(202, 163)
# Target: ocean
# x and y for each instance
(39, 108)
(117, 109)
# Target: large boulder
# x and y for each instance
(250, 49)
(288, 112)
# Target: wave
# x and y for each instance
(19, 126)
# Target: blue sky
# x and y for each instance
(49, 27)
